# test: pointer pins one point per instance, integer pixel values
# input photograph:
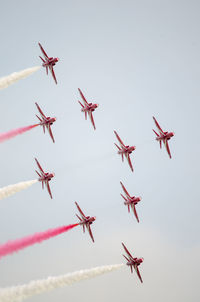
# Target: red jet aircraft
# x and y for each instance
(133, 262)
(85, 221)
(44, 177)
(46, 121)
(48, 62)
(125, 150)
(87, 108)
(163, 136)
(130, 201)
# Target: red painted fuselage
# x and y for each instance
(48, 121)
(133, 262)
(45, 121)
(88, 108)
(163, 137)
(130, 201)
(124, 150)
(44, 177)
(85, 221)
(48, 62)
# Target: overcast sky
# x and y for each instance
(137, 59)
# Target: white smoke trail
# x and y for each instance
(12, 189)
(21, 292)
(16, 76)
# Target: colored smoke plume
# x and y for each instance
(21, 292)
(12, 133)
(12, 189)
(19, 244)
(16, 76)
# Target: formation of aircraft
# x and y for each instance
(44, 177)
(88, 108)
(125, 150)
(163, 136)
(133, 262)
(48, 62)
(85, 221)
(130, 201)
(45, 121)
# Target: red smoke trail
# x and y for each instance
(12, 133)
(19, 244)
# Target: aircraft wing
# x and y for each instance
(84, 99)
(138, 273)
(48, 189)
(126, 250)
(124, 197)
(158, 126)
(90, 231)
(43, 51)
(129, 162)
(134, 211)
(119, 139)
(53, 74)
(50, 133)
(126, 258)
(81, 212)
(40, 110)
(38, 173)
(92, 119)
(117, 146)
(125, 191)
(39, 166)
(81, 104)
(167, 148)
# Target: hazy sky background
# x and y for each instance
(136, 59)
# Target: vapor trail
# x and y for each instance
(16, 76)
(12, 189)
(19, 244)
(13, 133)
(21, 292)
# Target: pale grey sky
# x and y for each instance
(136, 59)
